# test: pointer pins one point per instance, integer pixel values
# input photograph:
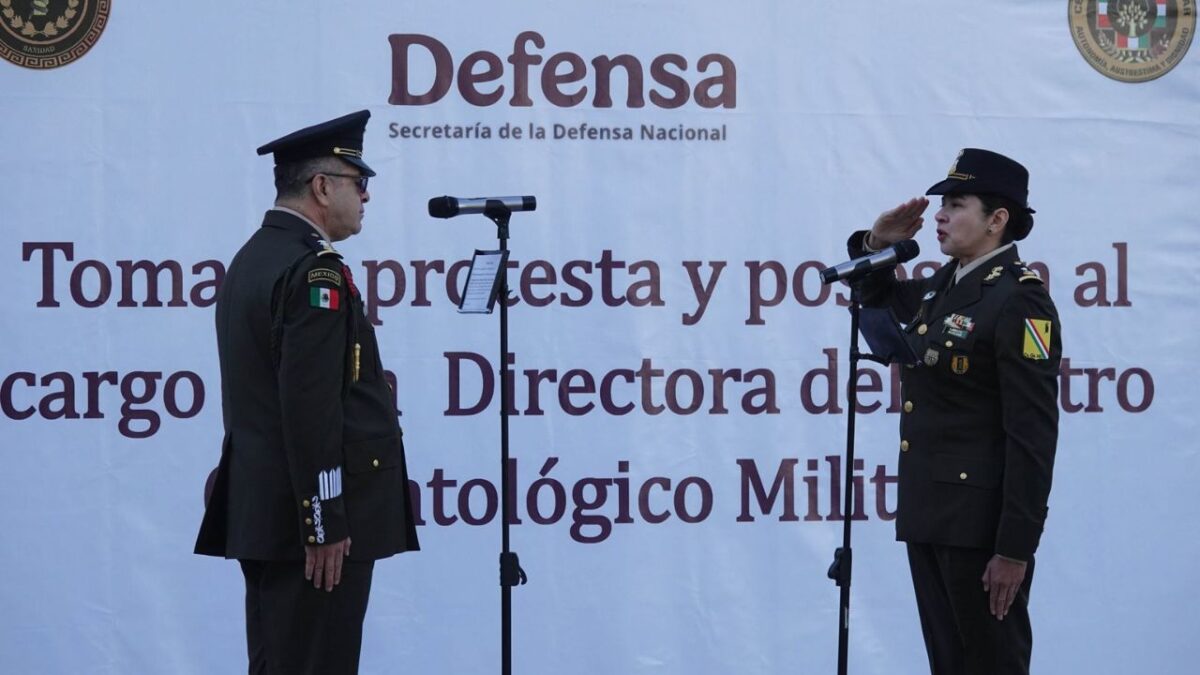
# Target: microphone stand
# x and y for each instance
(841, 568)
(511, 573)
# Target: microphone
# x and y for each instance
(448, 207)
(852, 270)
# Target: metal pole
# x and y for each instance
(511, 573)
(842, 568)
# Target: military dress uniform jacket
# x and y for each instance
(312, 451)
(980, 416)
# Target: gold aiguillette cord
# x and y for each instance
(357, 352)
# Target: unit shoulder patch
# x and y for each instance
(1036, 345)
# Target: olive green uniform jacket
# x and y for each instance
(979, 424)
(312, 451)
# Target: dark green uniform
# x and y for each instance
(977, 440)
(312, 452)
(313, 455)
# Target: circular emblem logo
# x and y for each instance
(1132, 40)
(50, 33)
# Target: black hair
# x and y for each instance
(1020, 221)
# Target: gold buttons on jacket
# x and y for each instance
(306, 503)
(949, 343)
(903, 446)
(312, 540)
(375, 463)
(922, 329)
(962, 476)
(308, 521)
(908, 406)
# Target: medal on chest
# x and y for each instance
(931, 357)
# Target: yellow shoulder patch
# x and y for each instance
(1037, 339)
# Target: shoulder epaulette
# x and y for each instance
(320, 246)
(1024, 274)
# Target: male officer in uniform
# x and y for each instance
(980, 421)
(312, 486)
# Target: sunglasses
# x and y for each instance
(359, 181)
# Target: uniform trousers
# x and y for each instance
(961, 635)
(295, 629)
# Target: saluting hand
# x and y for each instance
(1002, 579)
(323, 563)
(898, 224)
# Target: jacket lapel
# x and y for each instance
(935, 296)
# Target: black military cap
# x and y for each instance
(983, 172)
(341, 138)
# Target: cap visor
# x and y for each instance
(949, 186)
(366, 170)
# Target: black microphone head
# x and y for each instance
(529, 203)
(443, 207)
(906, 250)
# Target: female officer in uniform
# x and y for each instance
(980, 420)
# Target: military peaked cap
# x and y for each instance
(341, 138)
(983, 172)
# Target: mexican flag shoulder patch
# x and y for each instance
(323, 298)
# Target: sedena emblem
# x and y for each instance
(1132, 40)
(43, 34)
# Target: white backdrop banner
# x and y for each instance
(679, 389)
